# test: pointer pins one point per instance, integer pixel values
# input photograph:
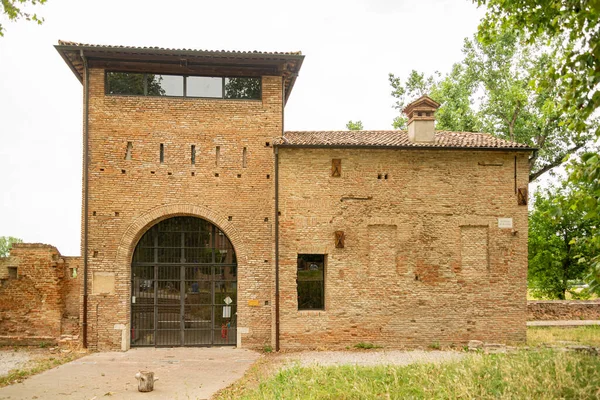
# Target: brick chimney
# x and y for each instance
(421, 119)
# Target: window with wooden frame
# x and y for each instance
(522, 196)
(336, 167)
(340, 238)
(311, 281)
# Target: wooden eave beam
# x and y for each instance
(177, 68)
(190, 58)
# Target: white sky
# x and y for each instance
(350, 48)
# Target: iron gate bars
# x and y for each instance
(184, 285)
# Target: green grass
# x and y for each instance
(434, 346)
(526, 374)
(586, 335)
(366, 346)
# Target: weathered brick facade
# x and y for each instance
(129, 196)
(424, 258)
(42, 301)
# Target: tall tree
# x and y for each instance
(354, 126)
(573, 27)
(585, 176)
(491, 90)
(453, 92)
(555, 252)
(6, 243)
(13, 9)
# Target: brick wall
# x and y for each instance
(71, 292)
(126, 197)
(563, 310)
(32, 305)
(424, 260)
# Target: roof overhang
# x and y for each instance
(183, 61)
(392, 147)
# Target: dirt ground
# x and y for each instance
(19, 362)
(370, 358)
(12, 359)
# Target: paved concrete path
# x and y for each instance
(582, 322)
(184, 373)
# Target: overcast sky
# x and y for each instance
(350, 48)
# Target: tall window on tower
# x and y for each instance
(311, 281)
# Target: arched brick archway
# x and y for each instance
(145, 222)
(135, 230)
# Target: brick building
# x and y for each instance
(206, 223)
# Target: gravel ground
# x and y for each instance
(10, 359)
(370, 358)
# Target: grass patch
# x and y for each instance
(434, 346)
(543, 374)
(586, 335)
(366, 346)
(261, 371)
(36, 366)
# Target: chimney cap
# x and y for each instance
(424, 104)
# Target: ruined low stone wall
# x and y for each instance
(550, 310)
(38, 289)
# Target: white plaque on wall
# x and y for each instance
(505, 223)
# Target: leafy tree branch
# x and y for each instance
(14, 10)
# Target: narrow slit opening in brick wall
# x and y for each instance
(128, 151)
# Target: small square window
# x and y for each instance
(311, 281)
(12, 273)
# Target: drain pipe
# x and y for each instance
(276, 249)
(86, 162)
(276, 149)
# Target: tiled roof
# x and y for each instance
(163, 49)
(395, 138)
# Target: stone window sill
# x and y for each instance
(311, 312)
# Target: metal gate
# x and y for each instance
(183, 286)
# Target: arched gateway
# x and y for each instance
(184, 285)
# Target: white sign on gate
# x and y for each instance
(226, 311)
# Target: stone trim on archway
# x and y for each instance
(134, 231)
